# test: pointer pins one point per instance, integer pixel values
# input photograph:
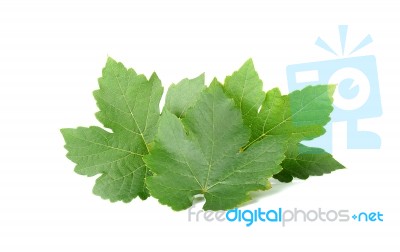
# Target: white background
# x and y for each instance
(51, 54)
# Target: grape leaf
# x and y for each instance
(200, 154)
(129, 106)
(222, 141)
(302, 161)
(301, 115)
(245, 87)
(180, 97)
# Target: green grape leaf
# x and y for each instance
(200, 154)
(299, 116)
(180, 97)
(221, 141)
(245, 87)
(303, 161)
(129, 106)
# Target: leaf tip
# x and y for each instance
(249, 61)
(110, 60)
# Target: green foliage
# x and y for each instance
(299, 116)
(200, 155)
(129, 106)
(221, 141)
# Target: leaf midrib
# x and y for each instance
(129, 108)
(284, 121)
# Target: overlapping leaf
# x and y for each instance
(129, 106)
(301, 115)
(302, 161)
(200, 154)
(222, 141)
(245, 87)
(180, 97)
